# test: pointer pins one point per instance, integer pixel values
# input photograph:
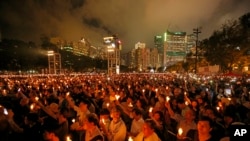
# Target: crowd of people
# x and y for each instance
(124, 107)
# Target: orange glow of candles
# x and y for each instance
(107, 105)
(156, 90)
(73, 120)
(143, 90)
(36, 98)
(186, 103)
(166, 87)
(180, 131)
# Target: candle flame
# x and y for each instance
(150, 109)
(180, 131)
(117, 97)
(167, 98)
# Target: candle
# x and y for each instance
(32, 106)
(117, 97)
(218, 108)
(167, 98)
(68, 138)
(150, 109)
(186, 102)
(166, 87)
(73, 120)
(130, 104)
(67, 94)
(143, 90)
(130, 138)
(107, 105)
(156, 90)
(36, 98)
(180, 131)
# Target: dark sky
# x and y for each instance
(131, 20)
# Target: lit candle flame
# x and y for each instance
(67, 94)
(150, 109)
(32, 106)
(143, 90)
(130, 104)
(130, 138)
(229, 99)
(156, 90)
(117, 97)
(167, 98)
(218, 108)
(186, 103)
(68, 138)
(166, 87)
(107, 105)
(73, 120)
(180, 131)
(36, 98)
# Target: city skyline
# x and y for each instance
(132, 21)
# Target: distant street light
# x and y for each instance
(196, 31)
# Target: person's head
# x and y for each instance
(91, 121)
(177, 91)
(148, 127)
(140, 102)
(115, 114)
(136, 113)
(84, 104)
(158, 116)
(204, 125)
(104, 114)
(210, 112)
(181, 103)
(229, 118)
(194, 103)
(190, 115)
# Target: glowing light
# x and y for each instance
(117, 97)
(167, 98)
(150, 109)
(180, 131)
(130, 138)
(73, 120)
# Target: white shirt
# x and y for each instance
(117, 130)
(152, 137)
(136, 126)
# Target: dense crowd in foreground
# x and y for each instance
(124, 107)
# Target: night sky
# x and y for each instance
(131, 20)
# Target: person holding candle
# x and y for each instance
(204, 128)
(186, 122)
(148, 132)
(117, 129)
(92, 133)
(137, 123)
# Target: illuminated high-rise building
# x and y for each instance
(176, 47)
